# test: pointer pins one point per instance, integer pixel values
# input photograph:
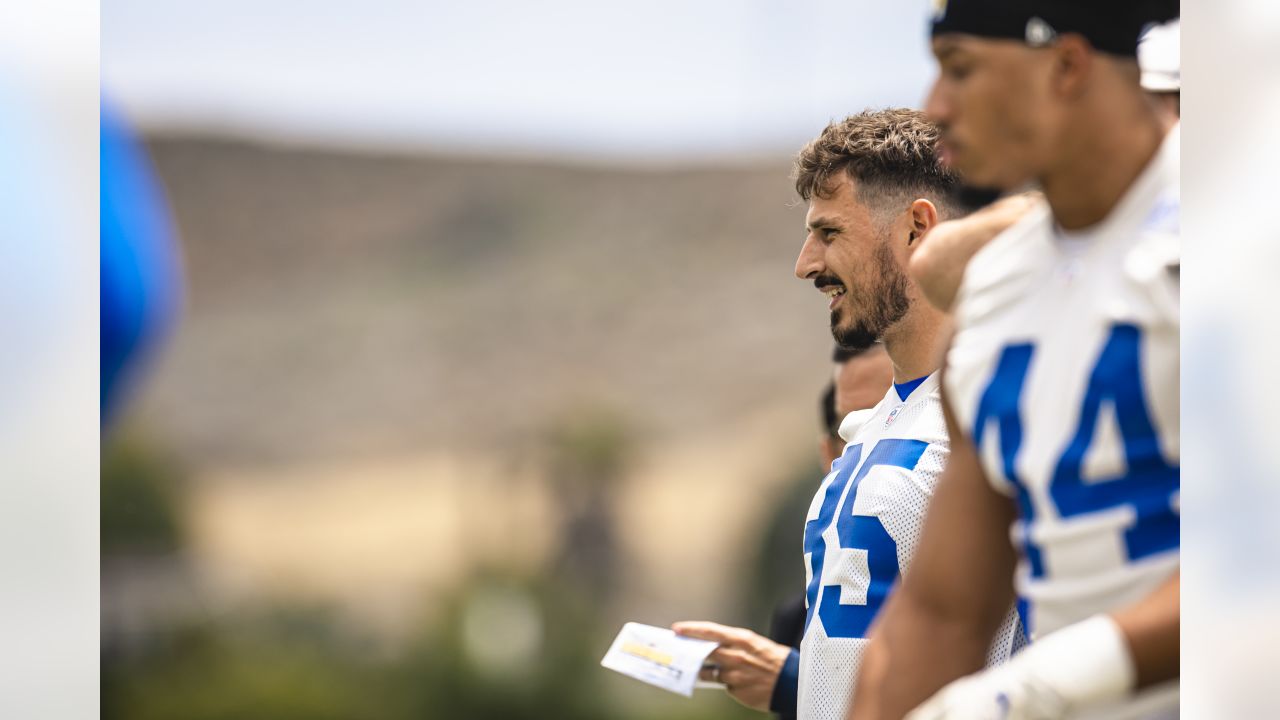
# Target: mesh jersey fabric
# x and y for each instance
(898, 498)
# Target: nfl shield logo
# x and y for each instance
(893, 415)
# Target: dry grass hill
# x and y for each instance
(343, 304)
(376, 347)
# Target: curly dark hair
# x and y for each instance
(888, 153)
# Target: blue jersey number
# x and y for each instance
(860, 532)
(1148, 483)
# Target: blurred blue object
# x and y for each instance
(141, 280)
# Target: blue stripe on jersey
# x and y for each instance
(905, 389)
(1000, 403)
(856, 532)
(814, 546)
(1024, 615)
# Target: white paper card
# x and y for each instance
(658, 656)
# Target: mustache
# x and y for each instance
(823, 281)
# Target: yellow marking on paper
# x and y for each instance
(648, 653)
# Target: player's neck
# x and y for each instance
(1100, 163)
(916, 343)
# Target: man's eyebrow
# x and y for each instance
(822, 222)
(944, 49)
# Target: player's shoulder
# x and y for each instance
(1157, 245)
(855, 424)
(1150, 242)
(1006, 267)
(1008, 250)
(1153, 261)
(917, 417)
(930, 423)
(1149, 213)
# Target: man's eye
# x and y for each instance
(828, 233)
(957, 71)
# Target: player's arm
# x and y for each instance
(1079, 668)
(1151, 633)
(938, 625)
(938, 265)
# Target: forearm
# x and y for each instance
(938, 624)
(892, 682)
(1151, 631)
(1098, 662)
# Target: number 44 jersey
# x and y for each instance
(1063, 370)
(861, 532)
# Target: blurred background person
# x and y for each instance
(140, 289)
(860, 377)
(141, 283)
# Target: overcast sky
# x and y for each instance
(638, 78)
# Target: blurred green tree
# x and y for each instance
(139, 492)
(779, 571)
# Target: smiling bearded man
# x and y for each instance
(880, 302)
(875, 186)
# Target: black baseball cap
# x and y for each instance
(1110, 26)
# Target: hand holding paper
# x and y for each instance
(658, 656)
(749, 664)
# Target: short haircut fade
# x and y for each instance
(889, 154)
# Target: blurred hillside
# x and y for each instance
(402, 382)
(348, 305)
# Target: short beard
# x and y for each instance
(887, 303)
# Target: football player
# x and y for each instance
(1061, 384)
(939, 265)
(875, 186)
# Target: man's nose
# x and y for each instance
(809, 264)
(935, 106)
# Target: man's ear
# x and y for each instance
(1072, 64)
(923, 215)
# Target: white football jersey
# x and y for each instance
(859, 537)
(1064, 372)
